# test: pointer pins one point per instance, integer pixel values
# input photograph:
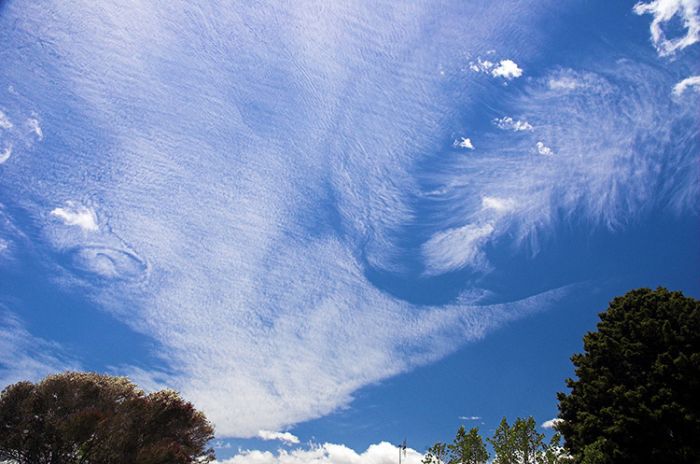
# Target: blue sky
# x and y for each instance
(340, 223)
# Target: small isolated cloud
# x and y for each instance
(5, 122)
(464, 142)
(480, 65)
(33, 124)
(470, 418)
(664, 11)
(693, 82)
(76, 215)
(285, 437)
(6, 153)
(508, 123)
(543, 149)
(328, 453)
(551, 423)
(507, 69)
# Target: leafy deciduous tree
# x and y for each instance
(87, 418)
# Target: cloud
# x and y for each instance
(33, 124)
(6, 153)
(464, 143)
(500, 205)
(328, 453)
(77, 215)
(285, 437)
(470, 418)
(508, 123)
(543, 149)
(25, 357)
(692, 82)
(507, 69)
(551, 423)
(456, 248)
(238, 229)
(607, 180)
(664, 11)
(5, 122)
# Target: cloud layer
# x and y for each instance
(224, 180)
(328, 453)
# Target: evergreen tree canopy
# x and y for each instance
(636, 396)
(86, 418)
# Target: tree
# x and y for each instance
(636, 398)
(436, 454)
(467, 448)
(519, 444)
(87, 418)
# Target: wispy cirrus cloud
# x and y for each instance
(26, 357)
(237, 180)
(608, 176)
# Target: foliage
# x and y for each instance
(87, 418)
(517, 444)
(636, 397)
(468, 448)
(436, 454)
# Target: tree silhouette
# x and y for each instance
(636, 397)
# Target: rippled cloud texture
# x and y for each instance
(226, 180)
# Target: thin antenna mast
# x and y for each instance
(402, 450)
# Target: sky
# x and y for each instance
(335, 226)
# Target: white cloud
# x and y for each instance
(508, 123)
(692, 82)
(563, 83)
(606, 180)
(26, 357)
(481, 65)
(249, 271)
(5, 122)
(285, 437)
(470, 418)
(664, 11)
(500, 205)
(328, 453)
(464, 143)
(77, 215)
(35, 127)
(551, 423)
(507, 69)
(6, 153)
(456, 248)
(543, 149)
